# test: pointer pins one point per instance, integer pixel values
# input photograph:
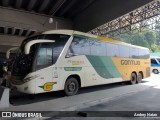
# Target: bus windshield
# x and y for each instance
(158, 60)
(41, 54)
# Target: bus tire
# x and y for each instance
(139, 77)
(155, 71)
(133, 78)
(71, 86)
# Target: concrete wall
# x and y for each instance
(7, 42)
(22, 19)
(10, 40)
(103, 11)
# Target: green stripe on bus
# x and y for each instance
(72, 68)
(104, 66)
(82, 36)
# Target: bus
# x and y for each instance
(68, 60)
(155, 64)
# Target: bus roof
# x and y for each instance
(82, 34)
(66, 32)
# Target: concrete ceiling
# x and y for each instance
(58, 8)
(103, 11)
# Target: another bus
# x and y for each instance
(67, 60)
(155, 64)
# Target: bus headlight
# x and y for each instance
(30, 78)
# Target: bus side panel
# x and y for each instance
(97, 70)
(47, 80)
(69, 67)
(92, 70)
(102, 70)
(126, 66)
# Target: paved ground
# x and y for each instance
(144, 104)
(113, 97)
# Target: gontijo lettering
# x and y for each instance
(130, 62)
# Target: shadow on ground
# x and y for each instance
(17, 99)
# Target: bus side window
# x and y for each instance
(44, 56)
(153, 61)
(146, 52)
(79, 46)
(112, 50)
(141, 54)
(56, 52)
(124, 51)
(134, 53)
(97, 47)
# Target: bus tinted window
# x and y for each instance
(57, 37)
(44, 57)
(56, 51)
(80, 46)
(153, 61)
(133, 52)
(141, 53)
(158, 60)
(124, 51)
(97, 48)
(146, 52)
(92, 46)
(112, 50)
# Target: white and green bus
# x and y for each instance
(67, 60)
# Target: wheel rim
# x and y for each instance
(156, 71)
(139, 78)
(71, 87)
(133, 79)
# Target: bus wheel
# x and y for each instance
(71, 86)
(139, 78)
(155, 71)
(133, 78)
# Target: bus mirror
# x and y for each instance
(30, 43)
(9, 51)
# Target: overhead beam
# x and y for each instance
(5, 30)
(18, 4)
(28, 32)
(82, 7)
(13, 31)
(43, 5)
(31, 4)
(56, 7)
(68, 7)
(5, 3)
(20, 32)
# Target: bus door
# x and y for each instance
(45, 69)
